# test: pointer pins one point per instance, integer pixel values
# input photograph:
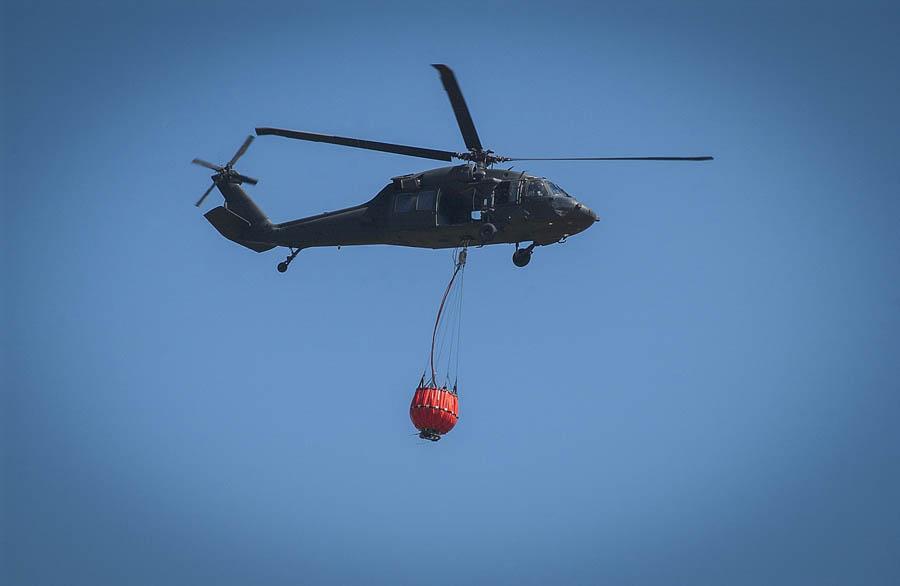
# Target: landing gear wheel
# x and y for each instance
(283, 265)
(522, 257)
(487, 232)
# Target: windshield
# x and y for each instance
(536, 188)
(557, 190)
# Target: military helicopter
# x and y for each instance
(468, 204)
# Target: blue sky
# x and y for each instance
(701, 389)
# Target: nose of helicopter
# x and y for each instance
(586, 215)
(590, 213)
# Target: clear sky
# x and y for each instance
(701, 389)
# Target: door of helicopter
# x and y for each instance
(506, 193)
(507, 202)
(455, 208)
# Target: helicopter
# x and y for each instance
(472, 203)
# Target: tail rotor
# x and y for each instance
(226, 173)
(203, 197)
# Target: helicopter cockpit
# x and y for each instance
(543, 188)
(536, 188)
(556, 189)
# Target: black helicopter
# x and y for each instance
(468, 204)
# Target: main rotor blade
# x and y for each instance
(705, 158)
(208, 165)
(246, 179)
(240, 152)
(203, 197)
(362, 144)
(463, 118)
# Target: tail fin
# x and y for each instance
(240, 219)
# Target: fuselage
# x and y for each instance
(445, 208)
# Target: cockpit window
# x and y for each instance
(536, 188)
(557, 190)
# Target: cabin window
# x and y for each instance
(422, 201)
(405, 202)
(425, 202)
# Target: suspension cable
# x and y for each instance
(460, 263)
